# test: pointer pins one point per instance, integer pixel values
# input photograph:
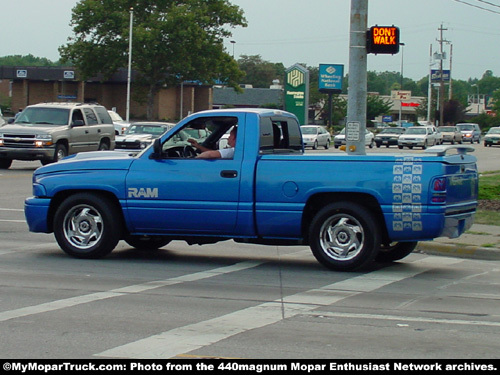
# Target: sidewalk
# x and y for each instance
(479, 242)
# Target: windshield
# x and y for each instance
(392, 131)
(465, 127)
(494, 131)
(154, 130)
(447, 129)
(416, 131)
(45, 116)
(309, 130)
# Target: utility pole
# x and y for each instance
(441, 84)
(356, 104)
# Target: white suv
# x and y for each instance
(50, 131)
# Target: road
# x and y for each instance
(232, 300)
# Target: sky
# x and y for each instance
(308, 32)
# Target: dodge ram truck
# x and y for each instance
(350, 209)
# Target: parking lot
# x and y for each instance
(232, 300)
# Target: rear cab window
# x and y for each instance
(279, 135)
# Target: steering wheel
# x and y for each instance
(189, 152)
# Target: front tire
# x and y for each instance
(5, 163)
(344, 236)
(395, 251)
(87, 226)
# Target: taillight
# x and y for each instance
(439, 184)
(439, 190)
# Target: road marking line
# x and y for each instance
(73, 301)
(191, 337)
(12, 209)
(329, 314)
(12, 221)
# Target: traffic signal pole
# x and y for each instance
(357, 94)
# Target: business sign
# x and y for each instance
(297, 92)
(382, 39)
(400, 95)
(330, 78)
(21, 73)
(69, 74)
(436, 75)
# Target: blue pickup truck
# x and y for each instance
(350, 209)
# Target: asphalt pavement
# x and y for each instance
(479, 242)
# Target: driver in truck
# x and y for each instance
(225, 153)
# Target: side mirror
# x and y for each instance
(156, 149)
(11, 120)
(77, 123)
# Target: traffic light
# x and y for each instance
(382, 39)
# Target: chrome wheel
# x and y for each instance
(83, 226)
(344, 236)
(341, 237)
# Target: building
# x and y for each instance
(31, 85)
(249, 98)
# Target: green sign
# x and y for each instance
(297, 92)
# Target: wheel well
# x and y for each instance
(61, 196)
(318, 201)
(105, 141)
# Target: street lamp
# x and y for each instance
(477, 87)
(401, 85)
(233, 42)
(129, 73)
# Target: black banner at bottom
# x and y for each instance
(220, 366)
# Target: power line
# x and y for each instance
(479, 7)
(487, 2)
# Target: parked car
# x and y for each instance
(470, 131)
(450, 134)
(389, 136)
(315, 136)
(339, 139)
(418, 136)
(140, 135)
(492, 137)
(120, 125)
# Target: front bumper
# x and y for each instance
(36, 211)
(27, 153)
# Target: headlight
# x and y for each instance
(43, 140)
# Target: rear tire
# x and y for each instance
(87, 226)
(344, 236)
(395, 251)
(146, 242)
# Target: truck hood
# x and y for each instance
(31, 128)
(95, 160)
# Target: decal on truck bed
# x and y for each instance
(407, 194)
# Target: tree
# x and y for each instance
(173, 41)
(260, 73)
(376, 106)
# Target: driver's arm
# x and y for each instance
(195, 144)
(210, 154)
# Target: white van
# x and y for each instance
(470, 132)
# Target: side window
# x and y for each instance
(103, 115)
(279, 135)
(77, 116)
(209, 132)
(91, 116)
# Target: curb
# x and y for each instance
(458, 250)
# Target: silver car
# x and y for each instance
(450, 134)
(315, 136)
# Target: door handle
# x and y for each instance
(229, 174)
